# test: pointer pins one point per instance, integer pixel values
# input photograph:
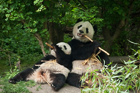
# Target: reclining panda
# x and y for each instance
(82, 49)
(53, 70)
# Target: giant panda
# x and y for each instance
(53, 72)
(82, 49)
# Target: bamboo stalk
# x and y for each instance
(88, 38)
(45, 80)
(98, 47)
(38, 65)
(49, 45)
(43, 60)
(103, 50)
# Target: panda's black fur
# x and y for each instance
(55, 73)
(82, 49)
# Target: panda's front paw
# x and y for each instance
(12, 81)
(53, 87)
(56, 48)
(96, 44)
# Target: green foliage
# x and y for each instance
(137, 51)
(67, 38)
(11, 73)
(18, 44)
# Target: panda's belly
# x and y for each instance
(90, 66)
(42, 74)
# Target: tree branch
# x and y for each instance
(37, 36)
(82, 4)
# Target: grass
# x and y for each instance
(20, 87)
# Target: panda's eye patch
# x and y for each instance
(86, 30)
(79, 26)
(65, 47)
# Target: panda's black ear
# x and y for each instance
(95, 28)
(79, 20)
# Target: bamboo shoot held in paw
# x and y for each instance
(49, 45)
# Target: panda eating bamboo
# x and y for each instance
(84, 52)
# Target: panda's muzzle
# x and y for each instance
(81, 33)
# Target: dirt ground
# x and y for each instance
(47, 89)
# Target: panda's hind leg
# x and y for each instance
(21, 76)
(73, 79)
(58, 81)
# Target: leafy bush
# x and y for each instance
(17, 44)
(114, 79)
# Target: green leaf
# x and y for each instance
(8, 27)
(7, 15)
(35, 2)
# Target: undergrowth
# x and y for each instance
(116, 79)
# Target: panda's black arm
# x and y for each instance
(84, 51)
(47, 57)
(104, 58)
(62, 58)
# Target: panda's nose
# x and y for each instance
(81, 31)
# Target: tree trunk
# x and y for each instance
(56, 32)
(109, 39)
(37, 36)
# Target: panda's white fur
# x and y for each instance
(80, 68)
(82, 26)
(46, 69)
(42, 74)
